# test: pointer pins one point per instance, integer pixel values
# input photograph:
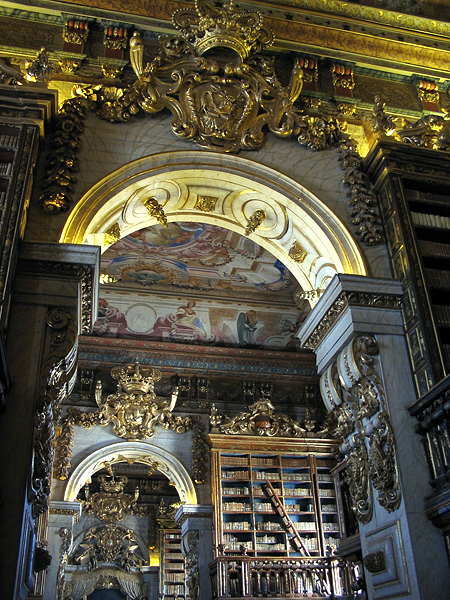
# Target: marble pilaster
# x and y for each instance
(61, 521)
(196, 530)
(355, 308)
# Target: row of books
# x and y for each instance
(438, 278)
(9, 141)
(418, 196)
(427, 220)
(172, 577)
(435, 248)
(442, 314)
(5, 168)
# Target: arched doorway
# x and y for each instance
(140, 452)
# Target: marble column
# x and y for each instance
(197, 545)
(356, 330)
(61, 520)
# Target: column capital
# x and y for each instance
(351, 304)
(193, 511)
(64, 514)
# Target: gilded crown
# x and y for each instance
(136, 378)
(223, 27)
(113, 484)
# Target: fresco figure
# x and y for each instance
(247, 324)
(187, 317)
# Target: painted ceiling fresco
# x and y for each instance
(195, 256)
(224, 289)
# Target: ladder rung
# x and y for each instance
(279, 506)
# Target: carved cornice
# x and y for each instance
(344, 301)
(74, 513)
(84, 273)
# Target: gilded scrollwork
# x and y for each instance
(254, 221)
(39, 68)
(134, 411)
(199, 451)
(112, 544)
(75, 32)
(58, 377)
(382, 122)
(156, 211)
(223, 106)
(206, 203)
(360, 198)
(297, 252)
(191, 555)
(66, 543)
(357, 478)
(259, 420)
(382, 464)
(355, 393)
(111, 503)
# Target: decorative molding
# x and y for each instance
(70, 512)
(84, 273)
(327, 322)
(344, 301)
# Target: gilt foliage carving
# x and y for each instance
(360, 418)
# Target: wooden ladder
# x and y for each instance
(292, 532)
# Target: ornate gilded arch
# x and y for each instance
(277, 213)
(141, 452)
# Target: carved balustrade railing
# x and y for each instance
(302, 577)
(433, 414)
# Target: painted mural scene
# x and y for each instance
(194, 267)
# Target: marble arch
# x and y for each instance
(141, 452)
(239, 187)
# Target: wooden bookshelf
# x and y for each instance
(245, 517)
(9, 143)
(172, 566)
(413, 186)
